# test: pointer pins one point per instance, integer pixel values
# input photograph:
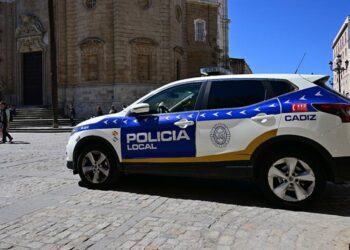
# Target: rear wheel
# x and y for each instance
(292, 179)
(97, 166)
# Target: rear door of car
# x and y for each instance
(239, 115)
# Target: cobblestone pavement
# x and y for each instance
(42, 206)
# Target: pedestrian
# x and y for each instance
(72, 115)
(10, 109)
(99, 111)
(0, 124)
(112, 110)
(5, 121)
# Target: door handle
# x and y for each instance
(263, 118)
(184, 123)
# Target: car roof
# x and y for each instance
(302, 81)
(311, 78)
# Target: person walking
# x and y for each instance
(72, 115)
(5, 120)
(99, 111)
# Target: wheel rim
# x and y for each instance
(96, 167)
(291, 179)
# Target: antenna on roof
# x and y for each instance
(302, 59)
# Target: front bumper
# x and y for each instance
(341, 169)
(71, 165)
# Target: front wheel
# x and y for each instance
(292, 179)
(97, 166)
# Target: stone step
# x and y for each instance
(41, 130)
(38, 120)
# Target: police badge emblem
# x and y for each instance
(220, 135)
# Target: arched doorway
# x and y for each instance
(31, 64)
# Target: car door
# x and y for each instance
(168, 132)
(237, 119)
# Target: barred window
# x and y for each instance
(200, 30)
(90, 4)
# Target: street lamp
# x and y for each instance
(339, 68)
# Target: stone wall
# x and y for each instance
(201, 53)
(111, 53)
(86, 98)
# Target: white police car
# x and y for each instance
(290, 133)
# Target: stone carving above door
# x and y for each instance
(30, 34)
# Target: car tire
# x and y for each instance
(97, 167)
(291, 179)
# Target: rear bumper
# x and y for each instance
(341, 169)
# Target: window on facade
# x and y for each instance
(91, 68)
(176, 99)
(143, 60)
(90, 4)
(200, 30)
(178, 13)
(144, 67)
(233, 94)
(92, 59)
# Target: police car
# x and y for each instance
(290, 133)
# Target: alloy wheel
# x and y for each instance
(96, 167)
(291, 179)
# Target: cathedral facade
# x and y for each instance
(110, 51)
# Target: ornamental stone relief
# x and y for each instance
(30, 34)
(91, 45)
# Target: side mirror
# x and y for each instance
(140, 108)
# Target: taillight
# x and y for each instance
(341, 110)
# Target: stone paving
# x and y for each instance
(42, 206)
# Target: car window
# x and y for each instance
(280, 88)
(232, 94)
(176, 99)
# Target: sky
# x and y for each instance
(273, 35)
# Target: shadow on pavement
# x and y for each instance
(16, 143)
(334, 201)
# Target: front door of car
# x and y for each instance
(237, 119)
(168, 132)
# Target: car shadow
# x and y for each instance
(334, 201)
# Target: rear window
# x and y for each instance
(323, 83)
(279, 88)
(233, 94)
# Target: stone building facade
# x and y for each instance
(109, 52)
(341, 47)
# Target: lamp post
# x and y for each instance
(339, 68)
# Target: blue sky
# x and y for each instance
(272, 35)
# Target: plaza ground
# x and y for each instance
(43, 206)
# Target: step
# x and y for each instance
(41, 130)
